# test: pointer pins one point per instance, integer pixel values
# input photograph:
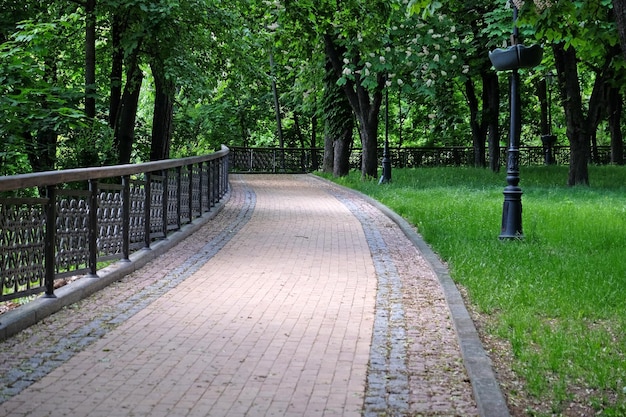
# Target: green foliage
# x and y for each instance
(555, 297)
(31, 99)
(87, 147)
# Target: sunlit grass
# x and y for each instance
(557, 295)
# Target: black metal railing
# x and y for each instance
(90, 215)
(300, 160)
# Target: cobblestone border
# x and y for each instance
(387, 377)
(486, 389)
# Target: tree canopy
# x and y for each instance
(114, 81)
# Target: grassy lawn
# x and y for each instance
(557, 298)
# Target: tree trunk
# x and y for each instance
(614, 108)
(117, 69)
(491, 119)
(90, 58)
(567, 71)
(542, 95)
(328, 159)
(127, 114)
(619, 10)
(338, 124)
(279, 124)
(163, 114)
(365, 105)
(314, 160)
(478, 139)
(343, 148)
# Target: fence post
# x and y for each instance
(125, 218)
(200, 188)
(93, 228)
(179, 197)
(165, 201)
(147, 208)
(190, 187)
(50, 244)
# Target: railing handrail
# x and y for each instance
(68, 231)
(42, 179)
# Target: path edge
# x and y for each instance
(14, 321)
(487, 393)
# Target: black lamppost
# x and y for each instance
(386, 177)
(513, 58)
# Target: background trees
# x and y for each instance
(113, 81)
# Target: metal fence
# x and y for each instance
(90, 215)
(289, 160)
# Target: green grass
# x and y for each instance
(559, 295)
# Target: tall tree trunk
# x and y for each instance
(342, 148)
(300, 136)
(619, 10)
(542, 95)
(90, 58)
(567, 71)
(127, 114)
(491, 119)
(314, 157)
(614, 108)
(328, 159)
(365, 105)
(478, 139)
(279, 124)
(163, 113)
(117, 69)
(338, 124)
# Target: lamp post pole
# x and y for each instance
(512, 207)
(513, 58)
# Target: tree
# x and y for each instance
(590, 44)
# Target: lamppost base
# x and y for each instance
(386, 177)
(512, 214)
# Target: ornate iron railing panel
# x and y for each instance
(72, 232)
(90, 215)
(22, 237)
(298, 160)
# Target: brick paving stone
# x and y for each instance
(298, 299)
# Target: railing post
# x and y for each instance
(213, 183)
(190, 187)
(165, 200)
(126, 218)
(93, 228)
(219, 179)
(147, 208)
(225, 175)
(200, 189)
(179, 196)
(50, 244)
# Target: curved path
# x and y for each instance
(300, 298)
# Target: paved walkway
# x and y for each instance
(298, 299)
